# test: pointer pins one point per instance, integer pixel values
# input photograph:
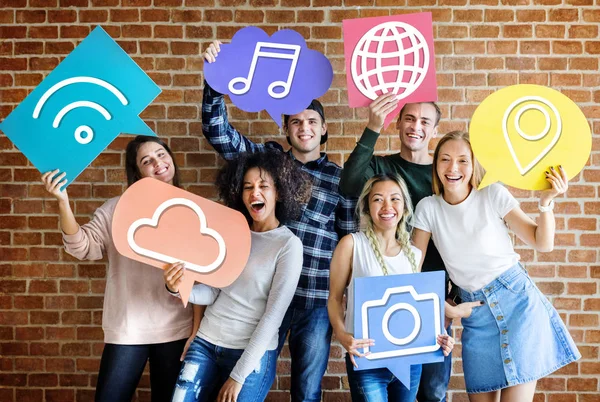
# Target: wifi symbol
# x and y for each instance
(83, 129)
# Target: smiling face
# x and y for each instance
(386, 205)
(417, 126)
(454, 167)
(260, 196)
(304, 131)
(153, 160)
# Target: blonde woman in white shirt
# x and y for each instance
(502, 357)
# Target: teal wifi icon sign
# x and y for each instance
(91, 97)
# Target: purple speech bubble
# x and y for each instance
(279, 73)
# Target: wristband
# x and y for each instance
(549, 208)
(169, 290)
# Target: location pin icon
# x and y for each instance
(539, 101)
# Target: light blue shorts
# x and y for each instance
(515, 338)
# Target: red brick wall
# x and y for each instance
(51, 304)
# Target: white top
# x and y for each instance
(248, 313)
(364, 264)
(472, 237)
(137, 310)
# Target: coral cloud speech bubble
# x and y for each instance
(277, 73)
(159, 224)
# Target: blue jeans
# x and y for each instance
(435, 378)
(309, 341)
(206, 367)
(121, 368)
(380, 385)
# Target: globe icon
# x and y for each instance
(390, 57)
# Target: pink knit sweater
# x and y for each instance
(137, 307)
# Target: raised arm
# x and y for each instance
(53, 182)
(87, 242)
(540, 235)
(226, 140)
(358, 168)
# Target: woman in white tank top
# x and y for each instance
(382, 248)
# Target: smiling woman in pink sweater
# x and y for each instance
(140, 320)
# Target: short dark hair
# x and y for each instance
(293, 186)
(317, 107)
(438, 112)
(131, 168)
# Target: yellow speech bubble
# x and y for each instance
(518, 132)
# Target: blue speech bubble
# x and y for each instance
(97, 92)
(403, 314)
(279, 74)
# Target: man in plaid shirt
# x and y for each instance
(327, 217)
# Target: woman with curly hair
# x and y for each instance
(233, 357)
(382, 248)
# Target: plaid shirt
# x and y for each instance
(327, 216)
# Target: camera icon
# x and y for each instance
(388, 322)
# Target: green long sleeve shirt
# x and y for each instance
(362, 165)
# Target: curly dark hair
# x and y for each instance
(293, 186)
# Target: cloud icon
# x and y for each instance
(154, 223)
(279, 74)
(178, 231)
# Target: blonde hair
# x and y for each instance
(478, 170)
(402, 229)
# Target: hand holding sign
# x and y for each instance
(278, 73)
(54, 182)
(404, 315)
(390, 55)
(176, 226)
(519, 132)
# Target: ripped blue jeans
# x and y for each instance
(206, 367)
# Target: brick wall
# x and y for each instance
(51, 304)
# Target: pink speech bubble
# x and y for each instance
(159, 224)
(390, 54)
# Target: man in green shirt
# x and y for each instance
(417, 125)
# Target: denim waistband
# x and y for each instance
(504, 278)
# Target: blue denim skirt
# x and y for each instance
(515, 338)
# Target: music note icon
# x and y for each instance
(258, 52)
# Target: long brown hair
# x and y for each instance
(131, 168)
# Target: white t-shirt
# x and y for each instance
(364, 263)
(471, 237)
